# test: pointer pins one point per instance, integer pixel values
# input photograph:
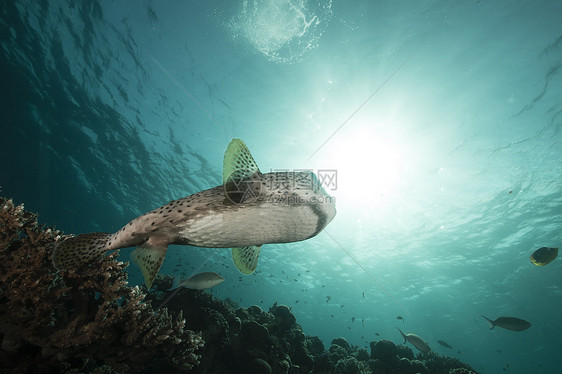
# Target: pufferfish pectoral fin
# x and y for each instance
(149, 258)
(246, 258)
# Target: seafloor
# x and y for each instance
(91, 321)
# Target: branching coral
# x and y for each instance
(87, 318)
(461, 371)
(442, 364)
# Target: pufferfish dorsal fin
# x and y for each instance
(246, 258)
(238, 163)
(241, 175)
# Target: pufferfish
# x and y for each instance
(248, 210)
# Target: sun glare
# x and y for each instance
(369, 167)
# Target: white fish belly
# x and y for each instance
(253, 226)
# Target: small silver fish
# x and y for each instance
(201, 281)
(444, 344)
(509, 323)
(249, 209)
(416, 341)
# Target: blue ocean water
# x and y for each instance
(440, 122)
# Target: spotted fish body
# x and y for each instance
(248, 210)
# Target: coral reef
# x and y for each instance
(244, 340)
(81, 320)
(461, 371)
(90, 320)
(388, 358)
(442, 364)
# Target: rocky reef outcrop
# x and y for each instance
(253, 340)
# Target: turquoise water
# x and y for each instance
(441, 119)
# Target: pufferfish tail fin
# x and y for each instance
(79, 250)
